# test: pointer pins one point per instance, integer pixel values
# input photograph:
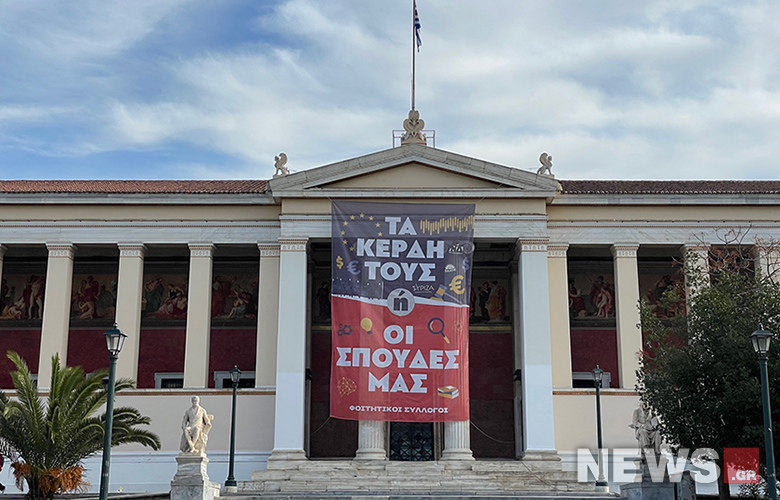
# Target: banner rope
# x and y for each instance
(320, 427)
(490, 437)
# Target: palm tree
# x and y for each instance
(48, 439)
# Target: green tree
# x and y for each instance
(699, 372)
(47, 439)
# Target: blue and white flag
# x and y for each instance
(417, 27)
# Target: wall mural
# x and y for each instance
(164, 296)
(234, 297)
(489, 299)
(591, 296)
(21, 296)
(93, 296)
(652, 288)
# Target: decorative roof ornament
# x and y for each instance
(280, 162)
(546, 168)
(414, 126)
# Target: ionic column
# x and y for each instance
(457, 441)
(696, 258)
(196, 353)
(290, 355)
(558, 276)
(371, 440)
(267, 315)
(629, 334)
(767, 262)
(535, 344)
(128, 305)
(56, 309)
(3, 248)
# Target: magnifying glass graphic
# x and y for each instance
(436, 327)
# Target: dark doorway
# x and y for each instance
(412, 441)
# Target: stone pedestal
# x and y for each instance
(191, 481)
(647, 489)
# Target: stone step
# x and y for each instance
(432, 495)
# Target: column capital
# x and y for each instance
(269, 249)
(697, 247)
(621, 250)
(131, 249)
(293, 244)
(66, 250)
(557, 249)
(201, 249)
(532, 244)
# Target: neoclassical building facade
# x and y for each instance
(206, 275)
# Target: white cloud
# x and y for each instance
(613, 89)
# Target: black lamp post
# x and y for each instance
(601, 483)
(761, 340)
(115, 340)
(235, 376)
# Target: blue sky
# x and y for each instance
(180, 89)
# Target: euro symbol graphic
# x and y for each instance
(339, 262)
(456, 285)
(352, 267)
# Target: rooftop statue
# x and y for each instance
(546, 168)
(414, 126)
(280, 163)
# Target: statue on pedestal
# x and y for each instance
(191, 481)
(647, 430)
(195, 427)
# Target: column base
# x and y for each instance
(542, 460)
(371, 454)
(286, 459)
(463, 454)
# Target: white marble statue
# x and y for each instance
(280, 163)
(195, 427)
(546, 168)
(414, 126)
(647, 430)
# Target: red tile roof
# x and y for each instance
(135, 187)
(671, 187)
(259, 186)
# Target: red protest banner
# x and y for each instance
(400, 302)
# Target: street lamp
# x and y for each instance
(115, 340)
(601, 484)
(230, 482)
(761, 340)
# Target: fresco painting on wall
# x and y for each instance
(591, 296)
(489, 299)
(21, 296)
(653, 287)
(93, 296)
(234, 297)
(164, 296)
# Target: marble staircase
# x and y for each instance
(390, 480)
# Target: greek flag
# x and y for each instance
(417, 27)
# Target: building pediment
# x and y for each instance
(414, 171)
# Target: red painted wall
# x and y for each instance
(161, 350)
(232, 347)
(27, 343)
(595, 347)
(491, 363)
(87, 348)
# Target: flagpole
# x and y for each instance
(414, 55)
